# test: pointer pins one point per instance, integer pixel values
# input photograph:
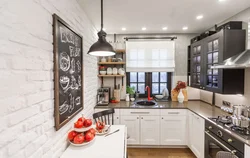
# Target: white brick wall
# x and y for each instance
(26, 75)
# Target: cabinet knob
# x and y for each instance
(117, 117)
(137, 117)
(210, 127)
(162, 118)
(141, 117)
(230, 140)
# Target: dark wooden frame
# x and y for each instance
(148, 82)
(56, 20)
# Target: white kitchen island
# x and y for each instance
(112, 146)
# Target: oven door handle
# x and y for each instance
(229, 150)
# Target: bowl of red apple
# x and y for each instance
(82, 133)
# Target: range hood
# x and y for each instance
(238, 61)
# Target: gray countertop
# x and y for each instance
(202, 109)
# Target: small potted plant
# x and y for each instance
(102, 70)
(131, 91)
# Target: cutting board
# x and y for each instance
(174, 95)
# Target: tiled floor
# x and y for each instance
(159, 153)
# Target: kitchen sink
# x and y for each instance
(145, 103)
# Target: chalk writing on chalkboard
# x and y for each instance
(68, 72)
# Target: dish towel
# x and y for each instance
(224, 154)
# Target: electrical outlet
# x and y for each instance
(226, 103)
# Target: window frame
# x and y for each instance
(149, 82)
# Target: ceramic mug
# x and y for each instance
(114, 71)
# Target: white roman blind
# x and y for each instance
(150, 56)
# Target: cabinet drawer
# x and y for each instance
(137, 112)
(174, 112)
(117, 111)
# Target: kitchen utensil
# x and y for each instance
(246, 112)
(106, 130)
(109, 59)
(83, 144)
(119, 59)
(84, 129)
(103, 59)
(114, 71)
(103, 96)
(165, 92)
(121, 71)
(132, 99)
(241, 121)
(238, 110)
(112, 132)
(127, 97)
(103, 72)
(117, 94)
(109, 71)
(159, 96)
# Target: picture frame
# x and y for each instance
(68, 72)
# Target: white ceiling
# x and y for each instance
(155, 14)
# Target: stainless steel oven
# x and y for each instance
(216, 139)
(213, 144)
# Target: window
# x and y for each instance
(157, 81)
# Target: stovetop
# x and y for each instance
(226, 122)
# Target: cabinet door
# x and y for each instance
(133, 128)
(173, 130)
(196, 64)
(117, 120)
(247, 151)
(150, 133)
(197, 128)
(213, 55)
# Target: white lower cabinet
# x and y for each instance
(150, 133)
(133, 128)
(173, 130)
(196, 134)
(142, 130)
(247, 151)
(163, 127)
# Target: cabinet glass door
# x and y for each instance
(212, 59)
(196, 72)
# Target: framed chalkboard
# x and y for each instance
(68, 72)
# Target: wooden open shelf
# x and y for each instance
(111, 75)
(111, 63)
(120, 50)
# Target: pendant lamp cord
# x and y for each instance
(101, 14)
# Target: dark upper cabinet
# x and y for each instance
(196, 64)
(215, 49)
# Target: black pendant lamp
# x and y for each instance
(101, 47)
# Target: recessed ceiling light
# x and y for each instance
(222, 0)
(144, 28)
(185, 28)
(199, 17)
(124, 29)
(164, 28)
